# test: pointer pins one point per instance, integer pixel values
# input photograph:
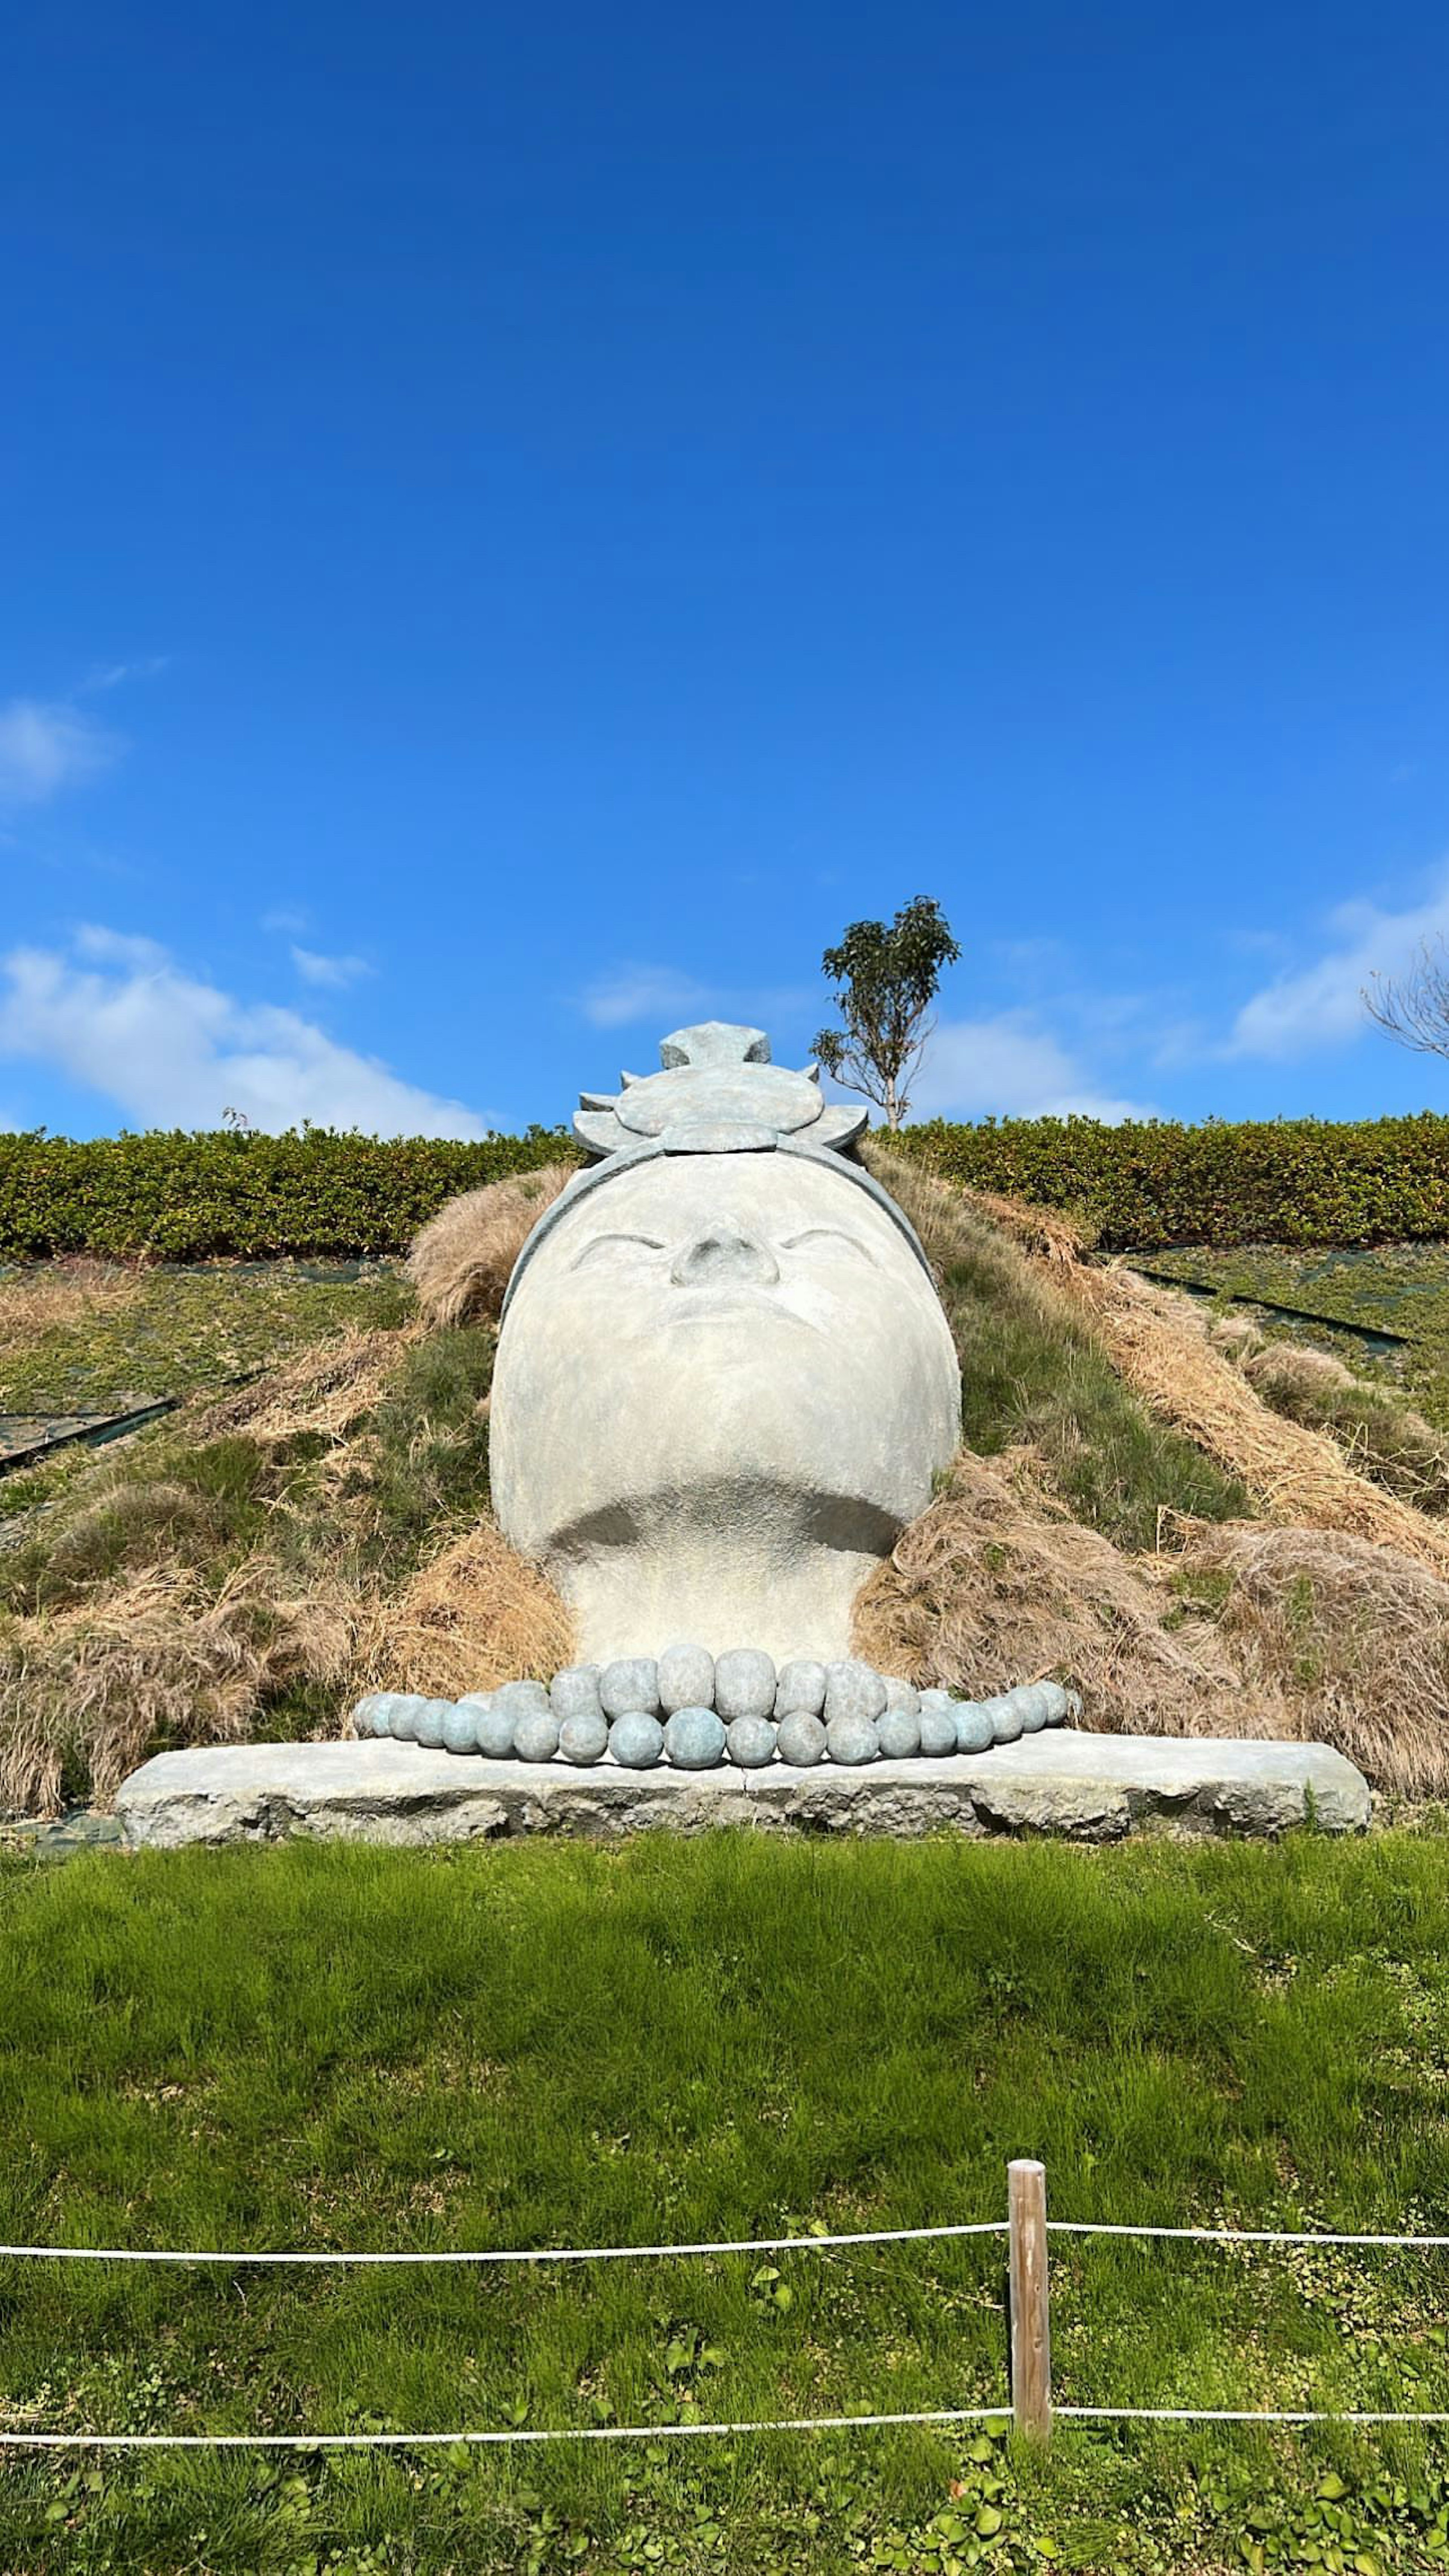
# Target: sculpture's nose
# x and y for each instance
(723, 1253)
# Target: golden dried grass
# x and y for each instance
(157, 1661)
(477, 1615)
(1339, 1641)
(1236, 1336)
(994, 1585)
(54, 1296)
(1290, 1369)
(326, 1388)
(463, 1259)
(1160, 1345)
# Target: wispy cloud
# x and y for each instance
(286, 919)
(1009, 1067)
(116, 1014)
(116, 675)
(335, 973)
(47, 745)
(1309, 1008)
(634, 993)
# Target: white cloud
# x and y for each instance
(1321, 1005)
(1008, 1068)
(285, 919)
(632, 993)
(47, 746)
(336, 973)
(118, 1016)
(115, 675)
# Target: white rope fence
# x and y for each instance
(1030, 2408)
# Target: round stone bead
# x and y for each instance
(431, 1717)
(460, 1728)
(492, 1725)
(800, 1690)
(750, 1742)
(636, 1742)
(535, 1736)
(366, 1712)
(744, 1683)
(902, 1698)
(584, 1739)
(937, 1723)
(630, 1687)
(694, 1739)
(575, 1692)
(974, 1727)
(518, 1700)
(1005, 1717)
(853, 1690)
(800, 1738)
(1034, 1701)
(1060, 1703)
(898, 1732)
(404, 1714)
(851, 1739)
(686, 1678)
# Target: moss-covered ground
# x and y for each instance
(327, 2048)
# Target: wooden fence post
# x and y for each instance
(1031, 2350)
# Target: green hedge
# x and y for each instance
(312, 1191)
(1289, 1180)
(315, 1192)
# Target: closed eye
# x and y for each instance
(613, 1242)
(829, 1234)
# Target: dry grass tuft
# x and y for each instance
(1235, 1336)
(93, 1690)
(479, 1614)
(326, 1389)
(992, 1586)
(1339, 1642)
(1290, 1370)
(54, 1296)
(1160, 1344)
(463, 1259)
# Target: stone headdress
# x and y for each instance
(718, 1093)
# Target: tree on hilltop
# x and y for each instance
(886, 980)
(1413, 1008)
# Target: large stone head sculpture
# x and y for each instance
(724, 1381)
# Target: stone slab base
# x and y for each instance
(1091, 1788)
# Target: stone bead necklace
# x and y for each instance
(694, 1711)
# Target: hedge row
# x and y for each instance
(315, 1192)
(252, 1197)
(1289, 1181)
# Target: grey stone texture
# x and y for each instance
(851, 1738)
(575, 1692)
(898, 1733)
(518, 1700)
(938, 1726)
(1089, 1788)
(902, 1698)
(800, 1690)
(694, 1739)
(629, 1687)
(800, 1739)
(744, 1683)
(584, 1739)
(535, 1736)
(975, 1729)
(637, 1742)
(493, 1725)
(686, 1678)
(750, 1741)
(853, 1689)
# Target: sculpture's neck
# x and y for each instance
(765, 1569)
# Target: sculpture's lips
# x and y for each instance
(743, 1305)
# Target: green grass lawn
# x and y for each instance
(562, 2045)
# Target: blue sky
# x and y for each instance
(518, 525)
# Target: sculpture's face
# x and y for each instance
(720, 1325)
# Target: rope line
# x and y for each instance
(1243, 2415)
(1234, 2235)
(520, 2254)
(418, 2441)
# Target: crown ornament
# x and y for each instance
(718, 1093)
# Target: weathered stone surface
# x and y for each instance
(584, 1739)
(750, 1741)
(686, 1678)
(938, 1724)
(694, 1739)
(975, 1729)
(637, 1742)
(898, 1734)
(851, 1739)
(854, 1690)
(629, 1687)
(902, 1698)
(800, 1737)
(744, 1683)
(1091, 1788)
(535, 1737)
(800, 1691)
(575, 1692)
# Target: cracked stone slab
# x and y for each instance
(1086, 1788)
